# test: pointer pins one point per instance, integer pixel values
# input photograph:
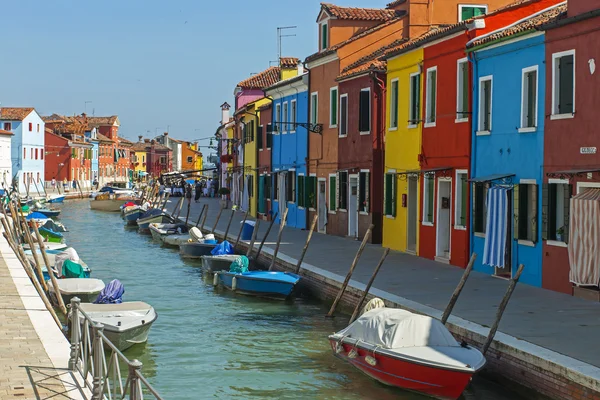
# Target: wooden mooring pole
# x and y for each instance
(349, 275)
(204, 218)
(281, 226)
(61, 303)
(228, 224)
(262, 242)
(180, 204)
(310, 233)
(187, 214)
(501, 308)
(200, 215)
(458, 289)
(366, 292)
(217, 221)
(254, 233)
(241, 229)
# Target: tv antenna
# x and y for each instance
(280, 35)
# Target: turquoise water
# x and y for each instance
(216, 345)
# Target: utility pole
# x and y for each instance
(85, 103)
(280, 35)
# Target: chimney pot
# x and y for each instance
(140, 138)
(146, 140)
(166, 133)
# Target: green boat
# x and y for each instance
(50, 235)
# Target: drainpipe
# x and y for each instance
(380, 143)
(474, 118)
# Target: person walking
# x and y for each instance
(53, 183)
(198, 191)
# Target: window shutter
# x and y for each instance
(545, 214)
(486, 105)
(333, 111)
(364, 122)
(393, 195)
(259, 138)
(531, 97)
(386, 193)
(343, 115)
(516, 204)
(565, 91)
(337, 190)
(301, 180)
(332, 193)
(567, 193)
(463, 200)
(534, 219)
(432, 94)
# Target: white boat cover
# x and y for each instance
(393, 328)
(196, 234)
(68, 254)
(72, 286)
(120, 317)
(584, 232)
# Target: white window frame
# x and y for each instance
(555, 87)
(293, 114)
(522, 127)
(314, 117)
(426, 202)
(284, 116)
(428, 104)
(394, 104)
(461, 6)
(367, 89)
(278, 118)
(411, 100)
(480, 131)
(337, 116)
(325, 23)
(458, 199)
(459, 88)
(345, 95)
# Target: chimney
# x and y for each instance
(225, 113)
(146, 140)
(140, 139)
(578, 7)
(166, 138)
(300, 68)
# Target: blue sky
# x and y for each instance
(155, 63)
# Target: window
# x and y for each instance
(24, 153)
(363, 191)
(342, 186)
(485, 104)
(30, 127)
(563, 83)
(36, 154)
(310, 191)
(268, 188)
(269, 136)
(293, 115)
(7, 126)
(428, 194)
(470, 11)
(290, 186)
(430, 105)
(394, 105)
(343, 115)
(301, 191)
(414, 106)
(259, 137)
(38, 127)
(479, 207)
(190, 159)
(324, 37)
(460, 205)
(285, 117)
(278, 118)
(462, 90)
(31, 153)
(529, 86)
(41, 154)
(525, 211)
(275, 193)
(333, 107)
(364, 111)
(314, 108)
(390, 194)
(332, 192)
(556, 211)
(250, 185)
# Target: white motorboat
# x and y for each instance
(125, 324)
(218, 263)
(48, 246)
(161, 231)
(176, 240)
(87, 289)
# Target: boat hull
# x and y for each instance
(50, 213)
(195, 250)
(110, 205)
(144, 224)
(131, 217)
(57, 199)
(213, 264)
(126, 339)
(175, 240)
(84, 297)
(435, 382)
(253, 286)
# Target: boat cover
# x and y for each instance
(393, 328)
(128, 204)
(196, 234)
(51, 232)
(71, 269)
(153, 212)
(35, 215)
(112, 293)
(240, 265)
(55, 226)
(223, 249)
(74, 286)
(68, 254)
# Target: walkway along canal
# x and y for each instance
(214, 344)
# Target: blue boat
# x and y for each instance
(272, 284)
(48, 212)
(153, 216)
(132, 214)
(53, 198)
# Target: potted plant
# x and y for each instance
(224, 192)
(559, 233)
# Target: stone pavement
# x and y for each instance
(564, 324)
(26, 368)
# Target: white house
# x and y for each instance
(27, 146)
(5, 161)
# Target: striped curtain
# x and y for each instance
(494, 251)
(584, 234)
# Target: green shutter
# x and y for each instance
(430, 187)
(567, 193)
(463, 200)
(332, 193)
(465, 90)
(546, 215)
(301, 181)
(394, 195)
(394, 101)
(259, 137)
(323, 36)
(334, 108)
(388, 194)
(466, 13)
(565, 91)
(261, 194)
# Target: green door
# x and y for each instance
(261, 194)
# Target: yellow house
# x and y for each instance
(139, 159)
(402, 149)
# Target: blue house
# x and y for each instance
(91, 136)
(291, 187)
(507, 151)
(27, 146)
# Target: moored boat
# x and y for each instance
(272, 284)
(409, 351)
(176, 240)
(218, 263)
(132, 214)
(109, 205)
(160, 231)
(195, 250)
(55, 198)
(47, 246)
(50, 235)
(86, 289)
(153, 216)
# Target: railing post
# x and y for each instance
(135, 367)
(75, 333)
(98, 352)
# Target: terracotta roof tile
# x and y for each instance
(97, 121)
(261, 80)
(374, 65)
(530, 24)
(143, 146)
(358, 14)
(434, 33)
(288, 62)
(103, 138)
(125, 142)
(15, 113)
(395, 3)
(370, 61)
(3, 132)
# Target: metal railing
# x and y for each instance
(99, 362)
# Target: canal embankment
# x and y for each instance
(546, 341)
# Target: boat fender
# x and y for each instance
(371, 360)
(352, 353)
(234, 284)
(338, 348)
(215, 279)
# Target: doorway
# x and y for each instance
(322, 205)
(353, 206)
(506, 272)
(411, 220)
(443, 219)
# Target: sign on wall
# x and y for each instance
(587, 150)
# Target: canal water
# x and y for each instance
(216, 345)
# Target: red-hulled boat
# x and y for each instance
(410, 351)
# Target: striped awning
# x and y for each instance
(584, 233)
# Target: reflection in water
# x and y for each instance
(214, 344)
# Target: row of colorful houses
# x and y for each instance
(464, 128)
(35, 150)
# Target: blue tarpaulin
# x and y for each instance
(112, 293)
(36, 215)
(224, 248)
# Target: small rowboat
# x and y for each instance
(218, 263)
(154, 217)
(132, 214)
(271, 284)
(50, 213)
(409, 351)
(48, 246)
(50, 235)
(56, 198)
(176, 240)
(195, 250)
(161, 231)
(87, 289)
(109, 205)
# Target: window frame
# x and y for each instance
(342, 191)
(332, 208)
(556, 85)
(412, 122)
(426, 199)
(393, 199)
(524, 91)
(332, 114)
(314, 108)
(393, 125)
(460, 115)
(278, 118)
(517, 204)
(365, 193)
(461, 6)
(550, 238)
(323, 36)
(482, 79)
(367, 89)
(293, 113)
(428, 103)
(345, 97)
